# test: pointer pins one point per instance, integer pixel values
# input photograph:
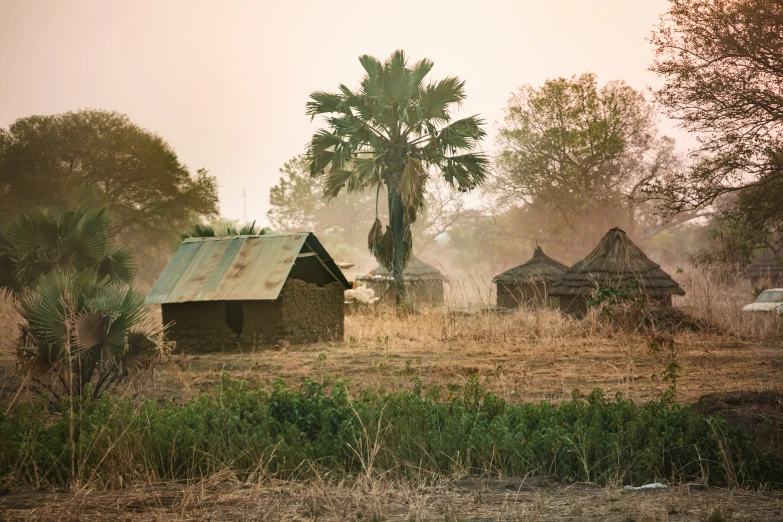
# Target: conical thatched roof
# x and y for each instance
(415, 270)
(540, 268)
(767, 265)
(615, 262)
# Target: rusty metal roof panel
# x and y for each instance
(231, 268)
(172, 273)
(260, 268)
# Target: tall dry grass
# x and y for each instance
(720, 303)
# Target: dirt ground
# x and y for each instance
(501, 500)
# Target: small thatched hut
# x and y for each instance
(766, 271)
(528, 284)
(424, 283)
(613, 263)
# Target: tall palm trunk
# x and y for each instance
(397, 218)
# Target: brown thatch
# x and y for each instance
(614, 263)
(767, 267)
(415, 270)
(540, 268)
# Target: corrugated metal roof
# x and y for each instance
(234, 268)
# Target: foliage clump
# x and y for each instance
(34, 244)
(82, 329)
(280, 430)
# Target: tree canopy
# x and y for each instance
(574, 155)
(722, 63)
(101, 159)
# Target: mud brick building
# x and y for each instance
(221, 293)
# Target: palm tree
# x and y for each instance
(36, 243)
(83, 328)
(394, 131)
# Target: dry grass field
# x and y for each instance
(457, 500)
(524, 356)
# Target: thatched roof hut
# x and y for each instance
(424, 282)
(529, 283)
(613, 263)
(766, 271)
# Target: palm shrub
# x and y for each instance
(36, 243)
(393, 132)
(84, 334)
(199, 230)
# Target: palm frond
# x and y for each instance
(461, 134)
(248, 230)
(145, 345)
(375, 236)
(466, 170)
(322, 103)
(372, 66)
(335, 181)
(118, 265)
(35, 243)
(436, 98)
(414, 175)
(421, 69)
(198, 230)
(384, 254)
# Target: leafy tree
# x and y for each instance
(296, 204)
(36, 243)
(722, 63)
(101, 159)
(391, 133)
(576, 155)
(83, 328)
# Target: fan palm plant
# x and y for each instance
(83, 328)
(393, 132)
(199, 230)
(36, 243)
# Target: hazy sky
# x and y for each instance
(225, 82)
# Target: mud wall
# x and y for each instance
(304, 313)
(263, 323)
(199, 327)
(312, 313)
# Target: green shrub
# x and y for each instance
(281, 430)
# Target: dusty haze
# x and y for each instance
(225, 83)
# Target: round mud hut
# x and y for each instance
(528, 284)
(615, 262)
(766, 271)
(424, 283)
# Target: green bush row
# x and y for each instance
(289, 432)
